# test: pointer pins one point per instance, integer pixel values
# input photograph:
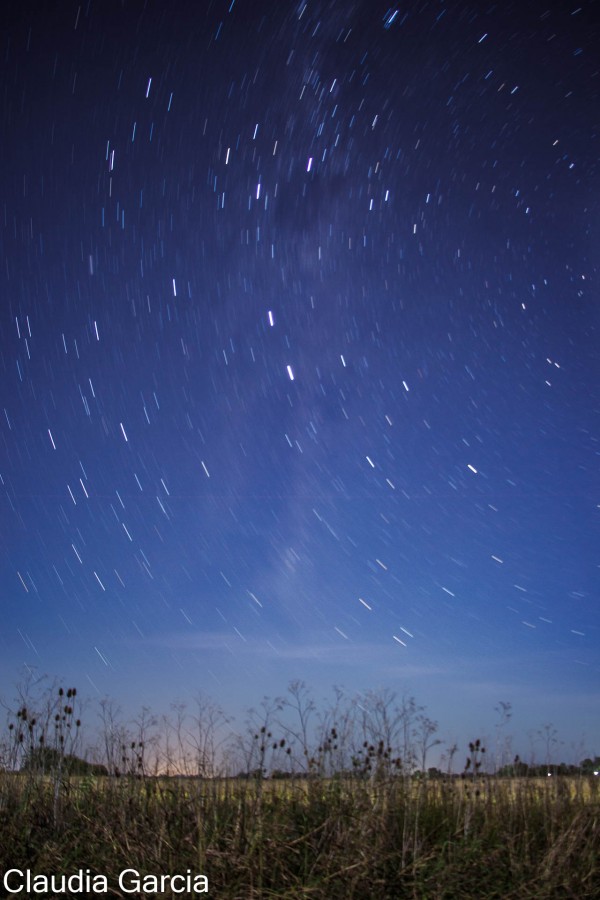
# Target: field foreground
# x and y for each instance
(326, 839)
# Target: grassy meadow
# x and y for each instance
(377, 827)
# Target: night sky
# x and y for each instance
(299, 353)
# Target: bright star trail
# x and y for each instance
(299, 344)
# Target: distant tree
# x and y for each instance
(590, 766)
(49, 760)
(516, 769)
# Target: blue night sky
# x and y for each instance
(299, 354)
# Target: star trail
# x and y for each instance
(299, 348)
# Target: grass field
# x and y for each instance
(323, 838)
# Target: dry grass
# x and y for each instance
(374, 830)
(324, 838)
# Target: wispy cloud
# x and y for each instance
(339, 652)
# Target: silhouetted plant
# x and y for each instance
(474, 761)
